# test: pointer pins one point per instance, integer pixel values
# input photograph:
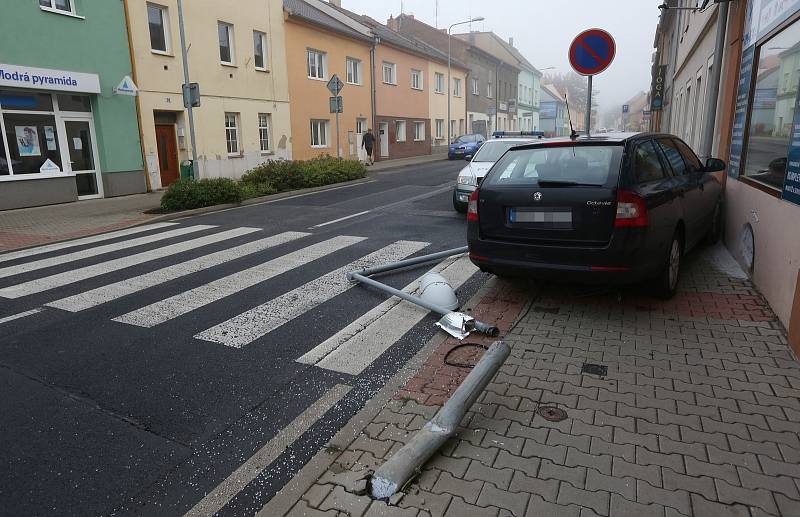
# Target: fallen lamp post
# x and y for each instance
(392, 476)
(440, 301)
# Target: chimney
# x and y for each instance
(511, 41)
(337, 3)
(393, 23)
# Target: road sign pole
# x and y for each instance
(185, 56)
(338, 148)
(589, 106)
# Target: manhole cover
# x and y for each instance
(552, 413)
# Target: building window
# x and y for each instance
(263, 131)
(457, 87)
(33, 141)
(400, 131)
(232, 133)
(461, 126)
(353, 70)
(439, 128)
(260, 50)
(438, 83)
(226, 50)
(159, 28)
(65, 6)
(475, 86)
(489, 90)
(416, 79)
(319, 133)
(772, 109)
(316, 64)
(453, 128)
(419, 131)
(389, 73)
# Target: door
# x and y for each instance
(687, 188)
(167, 154)
(384, 137)
(82, 150)
(361, 129)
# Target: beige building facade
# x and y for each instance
(238, 58)
(437, 72)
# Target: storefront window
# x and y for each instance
(32, 143)
(772, 115)
(80, 103)
(25, 101)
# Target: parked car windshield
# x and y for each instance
(578, 165)
(492, 150)
(465, 139)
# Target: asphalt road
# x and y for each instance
(140, 372)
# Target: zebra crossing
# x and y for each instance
(116, 255)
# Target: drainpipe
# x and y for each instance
(374, 96)
(135, 77)
(713, 93)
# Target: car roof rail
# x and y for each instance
(511, 134)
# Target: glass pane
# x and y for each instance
(224, 44)
(64, 5)
(74, 103)
(648, 166)
(79, 143)
(158, 40)
(32, 141)
(258, 49)
(773, 105)
(25, 101)
(673, 157)
(87, 184)
(44, 3)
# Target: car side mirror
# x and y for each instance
(715, 165)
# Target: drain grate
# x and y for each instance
(595, 369)
(552, 413)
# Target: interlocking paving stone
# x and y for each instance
(625, 486)
(546, 488)
(624, 507)
(678, 499)
(574, 475)
(538, 507)
(758, 497)
(650, 473)
(597, 501)
(460, 508)
(499, 478)
(705, 508)
(515, 502)
(467, 490)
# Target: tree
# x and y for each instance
(575, 86)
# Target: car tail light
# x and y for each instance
(472, 208)
(631, 210)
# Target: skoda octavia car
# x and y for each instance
(617, 208)
(465, 146)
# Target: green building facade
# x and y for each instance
(68, 120)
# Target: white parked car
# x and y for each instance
(473, 173)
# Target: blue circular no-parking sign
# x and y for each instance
(592, 51)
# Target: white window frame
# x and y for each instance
(456, 87)
(235, 131)
(476, 86)
(165, 22)
(416, 76)
(265, 125)
(438, 82)
(397, 132)
(353, 69)
(453, 128)
(321, 63)
(392, 68)
(322, 132)
(490, 90)
(419, 136)
(263, 36)
(53, 9)
(439, 129)
(231, 46)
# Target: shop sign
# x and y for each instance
(657, 95)
(49, 166)
(47, 79)
(127, 87)
(791, 184)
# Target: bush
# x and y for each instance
(281, 174)
(251, 190)
(189, 194)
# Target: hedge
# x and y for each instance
(268, 178)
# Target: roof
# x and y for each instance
(611, 138)
(514, 53)
(311, 11)
(552, 91)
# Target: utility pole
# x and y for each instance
(449, 87)
(185, 55)
(589, 106)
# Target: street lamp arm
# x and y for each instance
(449, 86)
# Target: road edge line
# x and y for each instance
(283, 501)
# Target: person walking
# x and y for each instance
(368, 143)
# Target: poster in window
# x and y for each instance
(50, 138)
(27, 140)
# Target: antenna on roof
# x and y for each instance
(573, 135)
(436, 16)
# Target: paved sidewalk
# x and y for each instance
(698, 413)
(405, 162)
(42, 224)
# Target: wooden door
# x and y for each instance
(167, 154)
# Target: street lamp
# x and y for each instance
(449, 86)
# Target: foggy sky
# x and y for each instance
(543, 29)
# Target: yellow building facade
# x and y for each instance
(238, 58)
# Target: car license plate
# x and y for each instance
(459, 151)
(553, 218)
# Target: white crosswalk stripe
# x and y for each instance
(70, 277)
(5, 257)
(193, 299)
(107, 293)
(260, 321)
(355, 347)
(99, 250)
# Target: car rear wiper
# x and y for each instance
(564, 183)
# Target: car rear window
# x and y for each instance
(595, 165)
